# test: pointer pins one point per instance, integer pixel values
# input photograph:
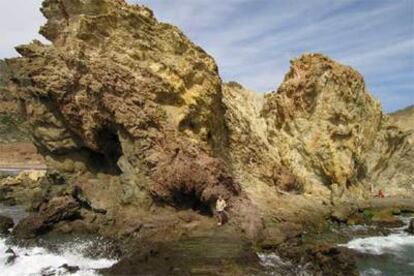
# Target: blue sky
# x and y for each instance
(253, 40)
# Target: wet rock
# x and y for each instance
(320, 259)
(333, 260)
(56, 210)
(5, 224)
(204, 256)
(410, 228)
(70, 269)
(11, 256)
(386, 218)
(150, 259)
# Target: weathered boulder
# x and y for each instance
(56, 210)
(29, 189)
(5, 224)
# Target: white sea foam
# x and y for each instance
(271, 260)
(32, 261)
(278, 266)
(380, 245)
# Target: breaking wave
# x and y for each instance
(41, 261)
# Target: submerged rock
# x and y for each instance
(11, 256)
(322, 259)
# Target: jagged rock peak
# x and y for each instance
(60, 13)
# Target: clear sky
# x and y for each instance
(253, 40)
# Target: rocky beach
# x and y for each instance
(118, 138)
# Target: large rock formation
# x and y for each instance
(390, 161)
(127, 96)
(135, 115)
(323, 120)
(324, 127)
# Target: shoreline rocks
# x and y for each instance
(56, 210)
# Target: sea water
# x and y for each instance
(392, 254)
(388, 255)
(48, 260)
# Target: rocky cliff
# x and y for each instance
(136, 116)
(324, 127)
(390, 162)
(128, 96)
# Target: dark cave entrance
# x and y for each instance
(110, 151)
(190, 200)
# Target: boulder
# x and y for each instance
(69, 268)
(56, 210)
(5, 224)
(11, 256)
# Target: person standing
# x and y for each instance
(220, 209)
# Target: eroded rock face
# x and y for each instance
(321, 130)
(322, 120)
(128, 96)
(252, 154)
(390, 161)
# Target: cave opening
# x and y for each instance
(110, 151)
(190, 200)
